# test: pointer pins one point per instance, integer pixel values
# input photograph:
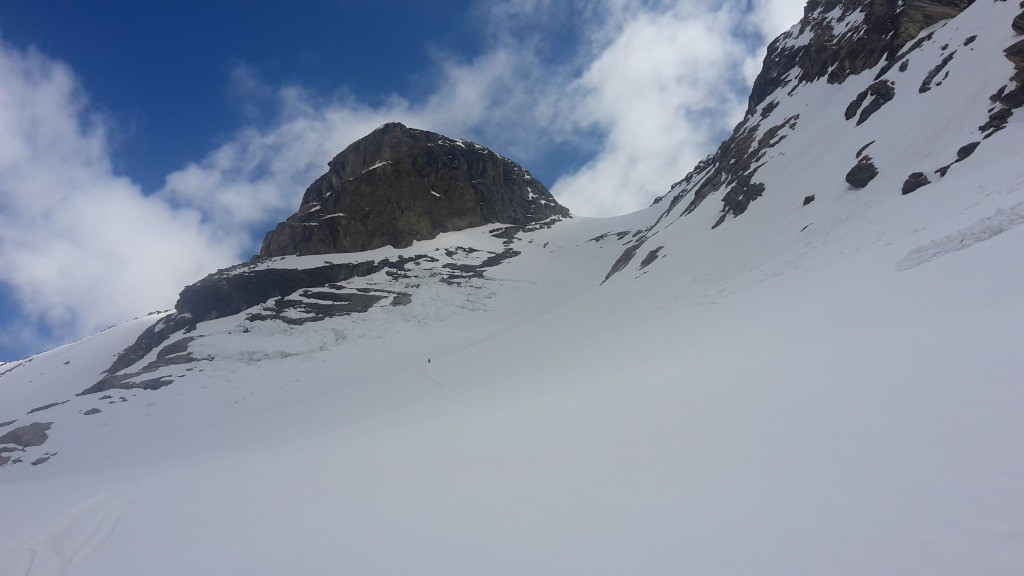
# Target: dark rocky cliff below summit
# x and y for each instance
(398, 185)
(832, 50)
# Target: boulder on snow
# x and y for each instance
(966, 150)
(915, 181)
(862, 173)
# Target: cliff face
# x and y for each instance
(839, 38)
(398, 185)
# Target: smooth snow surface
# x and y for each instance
(824, 389)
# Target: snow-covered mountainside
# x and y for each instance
(806, 358)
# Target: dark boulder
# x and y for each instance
(966, 150)
(862, 173)
(915, 181)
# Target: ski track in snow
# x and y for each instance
(984, 229)
(65, 543)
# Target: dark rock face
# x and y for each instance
(398, 185)
(882, 33)
(915, 181)
(920, 14)
(292, 296)
(734, 164)
(220, 295)
(862, 173)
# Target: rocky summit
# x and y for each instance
(398, 185)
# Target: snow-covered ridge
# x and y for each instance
(939, 90)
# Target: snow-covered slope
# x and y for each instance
(822, 388)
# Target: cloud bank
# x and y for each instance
(80, 247)
(636, 92)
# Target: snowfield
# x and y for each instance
(833, 388)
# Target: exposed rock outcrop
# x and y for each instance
(862, 173)
(926, 85)
(914, 181)
(22, 437)
(1018, 23)
(398, 185)
(844, 37)
(966, 150)
(881, 91)
(835, 39)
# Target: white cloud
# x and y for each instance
(651, 88)
(80, 247)
(661, 95)
(643, 89)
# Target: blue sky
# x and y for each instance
(144, 145)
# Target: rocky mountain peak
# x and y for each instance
(839, 38)
(848, 77)
(398, 184)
